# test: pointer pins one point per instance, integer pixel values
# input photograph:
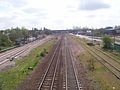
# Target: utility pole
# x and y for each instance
(92, 36)
(114, 33)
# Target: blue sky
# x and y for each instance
(59, 14)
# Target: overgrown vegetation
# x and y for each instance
(107, 42)
(91, 65)
(12, 77)
(4, 41)
(100, 77)
(42, 54)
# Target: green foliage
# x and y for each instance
(42, 54)
(107, 42)
(5, 41)
(12, 77)
(47, 31)
(91, 65)
(17, 33)
(17, 36)
(9, 37)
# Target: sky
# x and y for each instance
(59, 14)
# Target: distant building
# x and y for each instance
(89, 32)
(117, 30)
(82, 32)
(112, 31)
(109, 30)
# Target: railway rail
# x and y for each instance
(107, 58)
(61, 73)
(17, 52)
(48, 78)
(102, 59)
(115, 58)
(72, 81)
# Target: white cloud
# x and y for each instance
(93, 5)
(16, 3)
(59, 14)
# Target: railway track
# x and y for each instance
(50, 76)
(106, 60)
(17, 52)
(72, 81)
(60, 73)
(115, 58)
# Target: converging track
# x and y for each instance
(60, 73)
(109, 62)
(56, 71)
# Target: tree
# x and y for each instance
(47, 31)
(107, 42)
(18, 34)
(5, 41)
(25, 33)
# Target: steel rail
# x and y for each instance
(45, 74)
(66, 84)
(74, 69)
(114, 58)
(103, 59)
(58, 59)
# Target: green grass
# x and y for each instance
(12, 77)
(101, 78)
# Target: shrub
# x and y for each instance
(107, 42)
(42, 54)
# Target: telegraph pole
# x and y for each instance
(92, 36)
(114, 33)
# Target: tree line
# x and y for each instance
(15, 36)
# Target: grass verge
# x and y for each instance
(10, 78)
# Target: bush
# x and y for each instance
(42, 54)
(45, 51)
(30, 68)
(91, 65)
(107, 42)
